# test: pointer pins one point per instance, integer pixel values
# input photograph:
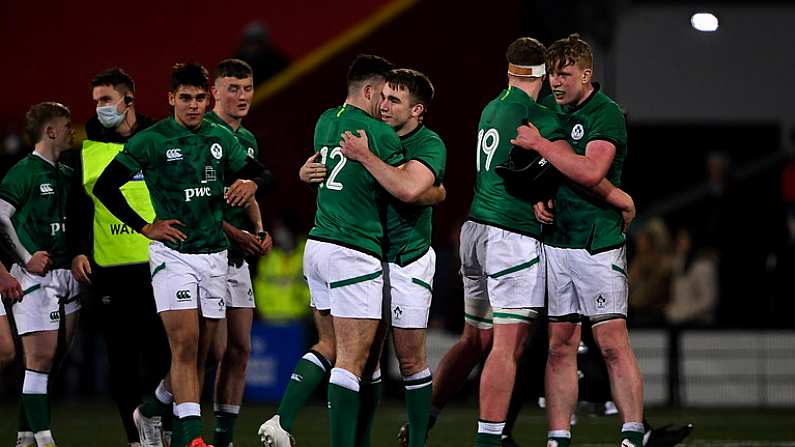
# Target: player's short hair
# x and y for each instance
(416, 83)
(194, 75)
(233, 68)
(40, 114)
(116, 78)
(526, 51)
(365, 67)
(569, 51)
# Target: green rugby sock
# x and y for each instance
(224, 428)
(191, 427)
(370, 395)
(418, 406)
(37, 411)
(152, 407)
(343, 404)
(22, 423)
(633, 432)
(306, 376)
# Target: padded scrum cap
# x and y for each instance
(528, 175)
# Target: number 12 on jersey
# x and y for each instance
(325, 155)
(488, 140)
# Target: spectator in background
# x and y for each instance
(280, 292)
(257, 49)
(694, 291)
(650, 273)
(10, 150)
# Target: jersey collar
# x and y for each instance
(41, 157)
(412, 133)
(214, 118)
(596, 88)
(353, 108)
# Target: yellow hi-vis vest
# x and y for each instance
(114, 242)
(280, 292)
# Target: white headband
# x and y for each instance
(527, 71)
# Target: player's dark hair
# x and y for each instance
(526, 51)
(116, 78)
(233, 68)
(569, 51)
(40, 114)
(193, 75)
(365, 67)
(416, 83)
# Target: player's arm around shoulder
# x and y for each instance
(587, 170)
(429, 157)
(406, 181)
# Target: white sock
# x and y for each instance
(163, 394)
(345, 379)
(35, 382)
(491, 428)
(312, 357)
(417, 381)
(559, 434)
(376, 376)
(187, 409)
(226, 408)
(633, 426)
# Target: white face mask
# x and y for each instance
(109, 116)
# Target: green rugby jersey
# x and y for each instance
(236, 215)
(582, 221)
(350, 203)
(492, 205)
(408, 227)
(185, 172)
(39, 191)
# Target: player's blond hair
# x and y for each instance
(569, 51)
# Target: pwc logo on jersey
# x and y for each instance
(217, 151)
(174, 154)
(577, 132)
(46, 189)
(56, 227)
(202, 191)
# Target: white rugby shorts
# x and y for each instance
(594, 286)
(409, 292)
(501, 270)
(39, 309)
(239, 292)
(348, 282)
(189, 281)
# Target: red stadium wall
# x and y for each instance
(51, 50)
